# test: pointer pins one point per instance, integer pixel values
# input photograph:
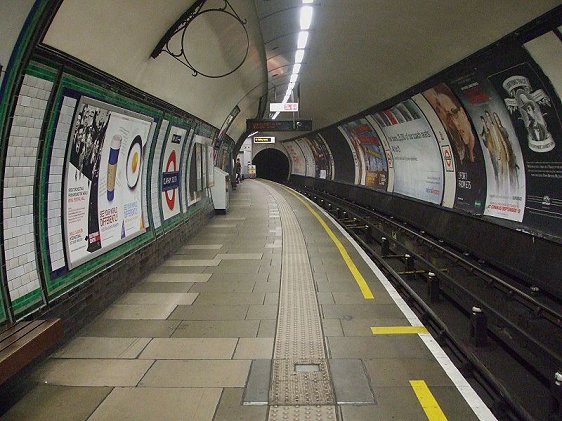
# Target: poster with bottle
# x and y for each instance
(103, 179)
(535, 112)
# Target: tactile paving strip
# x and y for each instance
(294, 393)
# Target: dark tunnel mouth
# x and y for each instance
(272, 164)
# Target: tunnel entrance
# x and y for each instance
(272, 164)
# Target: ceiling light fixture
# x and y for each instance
(293, 78)
(296, 69)
(299, 56)
(303, 38)
(306, 17)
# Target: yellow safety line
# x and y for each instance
(365, 290)
(398, 330)
(427, 401)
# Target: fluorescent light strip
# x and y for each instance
(299, 56)
(275, 115)
(293, 78)
(302, 39)
(306, 17)
(307, 1)
(296, 69)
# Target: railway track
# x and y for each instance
(504, 334)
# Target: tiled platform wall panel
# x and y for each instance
(20, 168)
(82, 304)
(56, 174)
(155, 189)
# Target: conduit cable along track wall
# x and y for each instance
(175, 40)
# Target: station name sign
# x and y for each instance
(264, 139)
(283, 106)
(279, 125)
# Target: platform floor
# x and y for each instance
(195, 339)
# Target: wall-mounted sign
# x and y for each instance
(279, 125)
(264, 139)
(283, 106)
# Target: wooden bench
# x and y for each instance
(22, 342)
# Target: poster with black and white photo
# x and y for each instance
(418, 167)
(171, 172)
(102, 192)
(505, 191)
(298, 163)
(534, 110)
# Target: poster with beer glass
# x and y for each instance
(103, 178)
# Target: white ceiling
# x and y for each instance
(360, 52)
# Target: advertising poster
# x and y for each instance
(171, 172)
(321, 157)
(103, 193)
(210, 167)
(308, 157)
(505, 191)
(534, 110)
(467, 153)
(418, 168)
(298, 165)
(358, 158)
(325, 157)
(361, 134)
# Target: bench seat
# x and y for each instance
(22, 342)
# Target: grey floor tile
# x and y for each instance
(65, 403)
(360, 311)
(257, 387)
(392, 372)
(240, 256)
(267, 328)
(404, 346)
(210, 312)
(131, 328)
(159, 404)
(262, 312)
(99, 347)
(239, 277)
(325, 298)
(271, 298)
(254, 349)
(197, 373)
(177, 277)
(355, 297)
(139, 311)
(351, 384)
(332, 327)
(237, 266)
(192, 246)
(189, 348)
(226, 286)
(362, 327)
(163, 287)
(218, 329)
(93, 372)
(225, 298)
(147, 298)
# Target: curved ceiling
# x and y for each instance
(359, 52)
(363, 52)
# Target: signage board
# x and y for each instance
(278, 125)
(264, 139)
(283, 106)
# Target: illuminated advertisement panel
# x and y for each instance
(298, 164)
(466, 149)
(102, 190)
(418, 168)
(505, 190)
(364, 138)
(171, 172)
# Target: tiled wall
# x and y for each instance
(156, 169)
(21, 159)
(56, 171)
